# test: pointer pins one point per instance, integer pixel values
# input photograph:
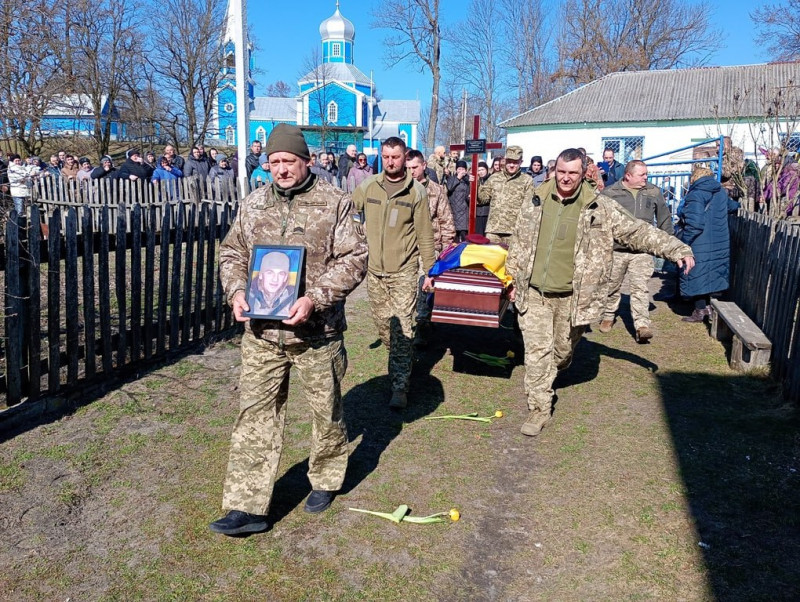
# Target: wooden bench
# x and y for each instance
(750, 347)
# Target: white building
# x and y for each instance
(646, 113)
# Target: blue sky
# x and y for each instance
(288, 31)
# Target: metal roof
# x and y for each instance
(343, 72)
(666, 95)
(274, 107)
(397, 111)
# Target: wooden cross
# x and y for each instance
(476, 146)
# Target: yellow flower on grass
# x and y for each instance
(454, 514)
(509, 354)
(498, 414)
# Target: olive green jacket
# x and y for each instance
(399, 229)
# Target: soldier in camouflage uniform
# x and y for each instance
(645, 202)
(505, 192)
(560, 259)
(399, 233)
(297, 209)
(444, 232)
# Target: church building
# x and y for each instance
(336, 104)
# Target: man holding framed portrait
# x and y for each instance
(294, 252)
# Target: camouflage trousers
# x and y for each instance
(257, 439)
(549, 340)
(639, 267)
(393, 299)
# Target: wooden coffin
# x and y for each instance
(471, 296)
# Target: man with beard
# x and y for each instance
(399, 232)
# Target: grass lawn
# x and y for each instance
(662, 476)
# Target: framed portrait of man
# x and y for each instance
(273, 281)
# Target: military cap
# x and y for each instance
(514, 153)
(275, 260)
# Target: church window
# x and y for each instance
(261, 135)
(336, 49)
(228, 107)
(333, 112)
(230, 136)
(404, 137)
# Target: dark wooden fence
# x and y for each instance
(99, 295)
(765, 283)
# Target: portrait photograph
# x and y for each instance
(273, 281)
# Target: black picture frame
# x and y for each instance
(265, 303)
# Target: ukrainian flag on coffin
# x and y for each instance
(491, 257)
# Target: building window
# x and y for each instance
(336, 49)
(229, 107)
(404, 137)
(626, 148)
(230, 136)
(261, 135)
(333, 112)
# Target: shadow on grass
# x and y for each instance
(738, 446)
(586, 362)
(366, 408)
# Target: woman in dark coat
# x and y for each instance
(458, 195)
(704, 227)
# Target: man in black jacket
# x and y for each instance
(134, 168)
(251, 161)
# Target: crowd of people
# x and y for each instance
(571, 233)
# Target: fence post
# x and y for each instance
(13, 304)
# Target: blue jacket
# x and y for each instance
(704, 224)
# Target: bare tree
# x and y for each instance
(416, 36)
(779, 24)
(279, 89)
(475, 64)
(107, 50)
(186, 59)
(529, 47)
(598, 37)
(30, 69)
(319, 74)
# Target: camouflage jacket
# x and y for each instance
(602, 222)
(399, 228)
(444, 231)
(505, 194)
(443, 166)
(319, 217)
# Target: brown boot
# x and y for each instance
(535, 422)
(643, 334)
(606, 326)
(698, 315)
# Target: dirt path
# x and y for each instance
(662, 476)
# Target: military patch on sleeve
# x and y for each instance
(374, 201)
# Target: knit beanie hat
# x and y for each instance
(263, 158)
(484, 165)
(288, 138)
(106, 158)
(461, 163)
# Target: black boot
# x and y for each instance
(698, 315)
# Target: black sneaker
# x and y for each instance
(237, 522)
(318, 501)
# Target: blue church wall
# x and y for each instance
(346, 49)
(405, 128)
(363, 89)
(345, 100)
(306, 87)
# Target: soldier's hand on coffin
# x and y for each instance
(687, 261)
(239, 305)
(427, 284)
(512, 293)
(300, 311)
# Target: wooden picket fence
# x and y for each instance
(97, 296)
(765, 284)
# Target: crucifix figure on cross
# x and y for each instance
(475, 146)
